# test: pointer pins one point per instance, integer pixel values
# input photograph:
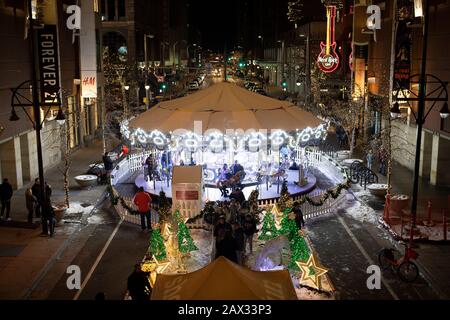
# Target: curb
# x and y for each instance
(57, 255)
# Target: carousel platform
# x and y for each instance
(267, 191)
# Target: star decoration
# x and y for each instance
(311, 272)
(154, 267)
(275, 211)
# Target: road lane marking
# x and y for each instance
(366, 255)
(97, 261)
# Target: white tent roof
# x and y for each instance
(224, 106)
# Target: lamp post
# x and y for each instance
(438, 93)
(20, 100)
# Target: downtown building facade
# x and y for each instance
(371, 62)
(77, 82)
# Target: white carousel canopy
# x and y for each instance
(224, 106)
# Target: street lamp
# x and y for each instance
(20, 99)
(298, 83)
(433, 90)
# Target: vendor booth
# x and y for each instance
(225, 280)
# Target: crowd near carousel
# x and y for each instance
(220, 162)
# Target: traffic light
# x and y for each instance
(241, 64)
(162, 87)
(284, 83)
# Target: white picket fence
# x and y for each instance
(310, 158)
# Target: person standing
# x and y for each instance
(108, 164)
(6, 193)
(138, 285)
(48, 216)
(227, 247)
(144, 203)
(369, 158)
(219, 233)
(240, 242)
(299, 221)
(36, 191)
(249, 231)
(30, 202)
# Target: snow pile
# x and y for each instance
(362, 212)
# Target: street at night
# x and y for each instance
(161, 150)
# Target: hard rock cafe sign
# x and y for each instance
(328, 60)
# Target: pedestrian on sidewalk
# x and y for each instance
(36, 191)
(144, 203)
(48, 216)
(30, 202)
(6, 193)
(369, 158)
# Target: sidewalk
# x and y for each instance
(25, 256)
(433, 258)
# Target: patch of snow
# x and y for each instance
(362, 212)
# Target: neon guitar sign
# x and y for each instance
(328, 60)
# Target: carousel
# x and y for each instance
(240, 139)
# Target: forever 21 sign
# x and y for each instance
(48, 64)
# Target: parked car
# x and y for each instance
(193, 85)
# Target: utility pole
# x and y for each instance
(37, 112)
(420, 118)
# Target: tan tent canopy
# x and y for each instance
(224, 106)
(225, 280)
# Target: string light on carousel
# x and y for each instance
(222, 128)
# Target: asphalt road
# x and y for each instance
(347, 247)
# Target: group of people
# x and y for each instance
(38, 205)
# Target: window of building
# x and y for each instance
(121, 9)
(445, 124)
(111, 10)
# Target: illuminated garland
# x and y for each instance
(215, 139)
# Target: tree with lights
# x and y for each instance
(185, 241)
(269, 229)
(297, 243)
(299, 250)
(157, 247)
(295, 11)
(285, 201)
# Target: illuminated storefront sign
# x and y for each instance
(328, 60)
(48, 64)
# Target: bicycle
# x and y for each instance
(405, 268)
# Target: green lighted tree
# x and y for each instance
(297, 243)
(269, 229)
(185, 241)
(299, 250)
(157, 247)
(288, 225)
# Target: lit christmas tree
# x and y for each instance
(185, 241)
(288, 225)
(298, 245)
(157, 247)
(269, 229)
(299, 251)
